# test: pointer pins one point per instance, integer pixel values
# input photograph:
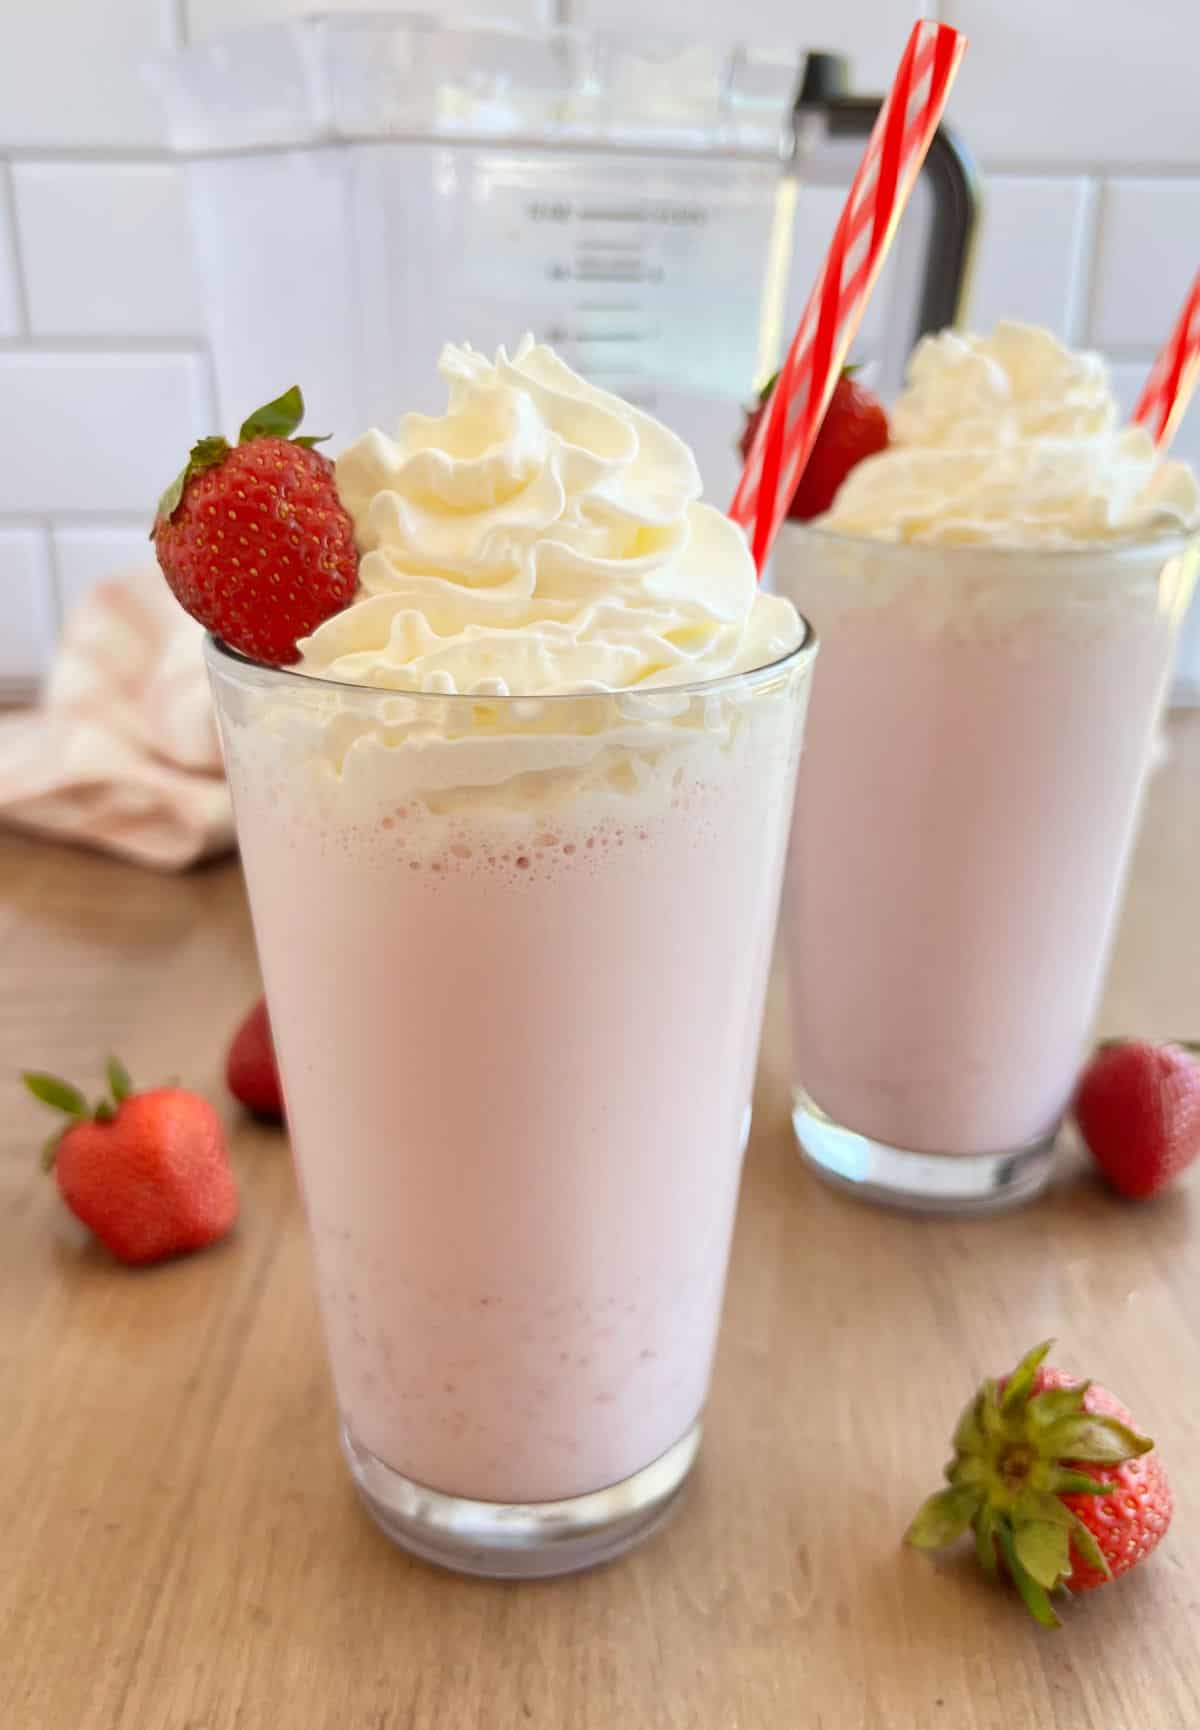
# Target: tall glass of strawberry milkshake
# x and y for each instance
(514, 831)
(998, 596)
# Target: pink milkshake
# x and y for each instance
(514, 833)
(998, 597)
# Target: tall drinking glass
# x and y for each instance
(976, 753)
(515, 953)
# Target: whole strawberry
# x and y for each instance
(855, 426)
(1138, 1109)
(1058, 1486)
(253, 539)
(251, 1072)
(148, 1173)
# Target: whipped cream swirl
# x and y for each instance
(541, 536)
(1012, 439)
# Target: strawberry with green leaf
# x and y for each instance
(253, 538)
(1059, 1487)
(148, 1173)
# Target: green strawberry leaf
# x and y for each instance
(990, 1420)
(971, 1469)
(104, 1112)
(1020, 1384)
(968, 1432)
(1094, 1439)
(1042, 1505)
(57, 1094)
(1035, 1597)
(985, 1542)
(1055, 1403)
(1064, 1482)
(1043, 1550)
(278, 419)
(943, 1518)
(118, 1080)
(206, 453)
(50, 1149)
(1089, 1550)
(308, 440)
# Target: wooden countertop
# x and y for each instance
(181, 1547)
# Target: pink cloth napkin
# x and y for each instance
(122, 753)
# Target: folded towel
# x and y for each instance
(122, 753)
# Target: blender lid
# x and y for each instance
(377, 75)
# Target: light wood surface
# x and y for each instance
(180, 1546)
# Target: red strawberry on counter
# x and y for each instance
(251, 1073)
(254, 540)
(148, 1173)
(1058, 1486)
(855, 426)
(1138, 1110)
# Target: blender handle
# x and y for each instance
(948, 168)
(954, 182)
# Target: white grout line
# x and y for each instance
(1112, 168)
(24, 314)
(1086, 313)
(176, 26)
(57, 599)
(1084, 272)
(171, 345)
(98, 522)
(85, 154)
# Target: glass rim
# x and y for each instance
(220, 655)
(1129, 549)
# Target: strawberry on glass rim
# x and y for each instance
(253, 538)
(855, 427)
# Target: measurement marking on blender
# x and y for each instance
(612, 336)
(682, 215)
(587, 273)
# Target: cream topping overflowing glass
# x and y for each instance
(542, 536)
(1012, 440)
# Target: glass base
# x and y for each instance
(923, 1182)
(522, 1541)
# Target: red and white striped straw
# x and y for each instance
(1174, 375)
(886, 176)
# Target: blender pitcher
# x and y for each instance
(364, 187)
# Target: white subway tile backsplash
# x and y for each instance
(27, 612)
(71, 73)
(1088, 129)
(1148, 252)
(1030, 261)
(91, 432)
(106, 249)
(10, 293)
(85, 556)
(1056, 82)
